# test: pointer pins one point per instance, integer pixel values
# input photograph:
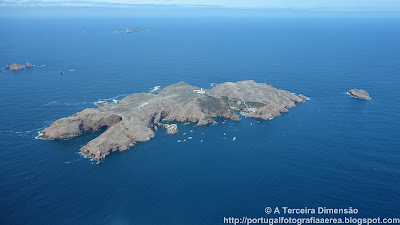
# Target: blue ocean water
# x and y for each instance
(333, 151)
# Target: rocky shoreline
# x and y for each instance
(135, 118)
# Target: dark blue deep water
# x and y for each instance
(333, 151)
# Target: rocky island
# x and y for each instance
(15, 66)
(131, 30)
(135, 118)
(359, 93)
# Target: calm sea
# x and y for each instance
(332, 151)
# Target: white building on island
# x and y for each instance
(201, 91)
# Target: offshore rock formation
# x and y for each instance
(132, 30)
(15, 67)
(28, 65)
(133, 118)
(359, 93)
(171, 128)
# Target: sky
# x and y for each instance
(383, 7)
(295, 4)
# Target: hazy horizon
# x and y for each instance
(285, 8)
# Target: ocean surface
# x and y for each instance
(333, 151)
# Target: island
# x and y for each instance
(136, 117)
(359, 93)
(131, 30)
(28, 65)
(15, 66)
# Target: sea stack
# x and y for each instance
(359, 93)
(28, 65)
(15, 67)
(171, 128)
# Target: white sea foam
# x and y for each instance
(51, 103)
(81, 154)
(156, 88)
(39, 136)
(25, 133)
(114, 99)
(66, 103)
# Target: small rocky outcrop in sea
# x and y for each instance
(28, 65)
(359, 93)
(171, 128)
(135, 118)
(132, 30)
(15, 67)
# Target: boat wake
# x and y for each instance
(66, 103)
(24, 133)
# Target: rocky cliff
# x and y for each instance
(134, 118)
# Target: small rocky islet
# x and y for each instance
(132, 30)
(359, 93)
(15, 66)
(136, 117)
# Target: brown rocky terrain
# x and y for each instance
(134, 118)
(28, 65)
(15, 66)
(359, 93)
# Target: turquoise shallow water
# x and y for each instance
(332, 151)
